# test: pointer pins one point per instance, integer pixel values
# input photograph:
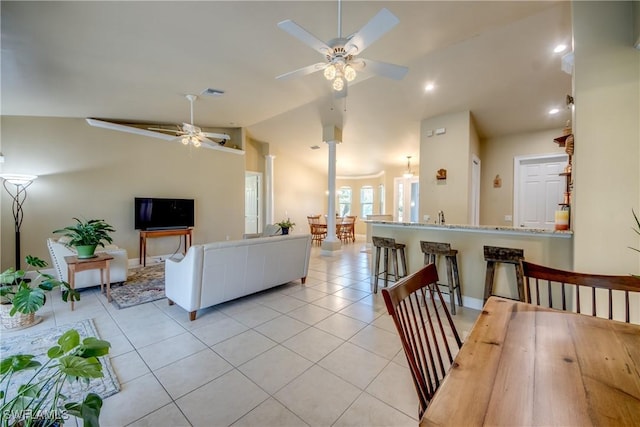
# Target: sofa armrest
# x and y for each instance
(183, 279)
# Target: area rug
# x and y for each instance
(37, 344)
(144, 284)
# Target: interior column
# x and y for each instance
(332, 136)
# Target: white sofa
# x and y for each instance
(217, 272)
(117, 267)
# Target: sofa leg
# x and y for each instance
(192, 315)
(170, 302)
(304, 279)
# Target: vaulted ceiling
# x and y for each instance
(135, 61)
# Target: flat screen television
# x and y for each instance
(153, 213)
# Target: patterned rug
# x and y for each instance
(144, 284)
(37, 344)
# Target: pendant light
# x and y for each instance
(408, 173)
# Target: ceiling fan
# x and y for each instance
(341, 53)
(187, 133)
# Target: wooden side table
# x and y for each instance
(101, 261)
(150, 234)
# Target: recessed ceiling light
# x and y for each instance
(560, 48)
(429, 87)
(554, 111)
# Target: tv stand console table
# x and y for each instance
(151, 234)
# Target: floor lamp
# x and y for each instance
(16, 186)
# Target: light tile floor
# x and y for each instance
(321, 354)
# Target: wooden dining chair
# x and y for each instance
(423, 320)
(563, 289)
(318, 229)
(346, 229)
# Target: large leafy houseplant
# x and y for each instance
(28, 296)
(85, 235)
(41, 400)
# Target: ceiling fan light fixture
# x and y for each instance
(349, 73)
(338, 84)
(330, 72)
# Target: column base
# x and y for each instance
(330, 247)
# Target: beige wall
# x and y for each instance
(607, 137)
(254, 155)
(298, 191)
(96, 173)
(450, 151)
(497, 156)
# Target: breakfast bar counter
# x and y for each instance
(546, 247)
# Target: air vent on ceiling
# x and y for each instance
(212, 92)
(315, 147)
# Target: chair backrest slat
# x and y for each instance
(570, 284)
(422, 319)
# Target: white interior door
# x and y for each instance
(253, 203)
(538, 189)
(406, 194)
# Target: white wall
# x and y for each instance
(607, 137)
(449, 151)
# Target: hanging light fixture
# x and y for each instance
(330, 72)
(339, 72)
(408, 173)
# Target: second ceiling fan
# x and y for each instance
(188, 133)
(342, 61)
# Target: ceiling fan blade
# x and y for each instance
(392, 71)
(128, 129)
(222, 136)
(176, 131)
(372, 31)
(304, 36)
(303, 71)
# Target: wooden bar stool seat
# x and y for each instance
(433, 250)
(494, 254)
(386, 244)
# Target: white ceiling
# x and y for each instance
(135, 61)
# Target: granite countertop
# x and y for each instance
(477, 228)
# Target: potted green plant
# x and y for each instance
(41, 401)
(24, 297)
(285, 225)
(85, 236)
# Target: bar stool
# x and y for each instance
(432, 250)
(494, 254)
(387, 243)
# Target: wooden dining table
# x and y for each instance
(527, 365)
